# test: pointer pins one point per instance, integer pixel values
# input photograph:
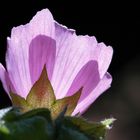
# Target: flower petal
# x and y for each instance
(18, 69)
(103, 85)
(88, 78)
(72, 53)
(103, 56)
(18, 49)
(41, 52)
(3, 79)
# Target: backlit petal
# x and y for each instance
(3, 78)
(103, 85)
(18, 49)
(73, 52)
(42, 52)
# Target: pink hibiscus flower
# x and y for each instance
(72, 61)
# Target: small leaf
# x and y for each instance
(69, 102)
(108, 122)
(41, 95)
(94, 130)
(19, 102)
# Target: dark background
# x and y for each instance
(113, 23)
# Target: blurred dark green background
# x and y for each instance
(116, 25)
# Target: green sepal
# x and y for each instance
(41, 94)
(20, 102)
(69, 102)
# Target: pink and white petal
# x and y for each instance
(62, 34)
(41, 24)
(42, 52)
(18, 49)
(73, 52)
(18, 69)
(87, 78)
(3, 74)
(103, 54)
(102, 86)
